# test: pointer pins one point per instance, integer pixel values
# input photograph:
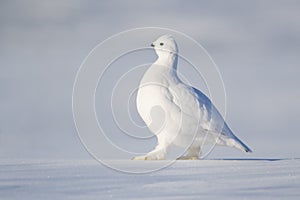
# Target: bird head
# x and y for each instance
(165, 45)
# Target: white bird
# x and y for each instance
(177, 113)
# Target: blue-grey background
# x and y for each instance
(256, 45)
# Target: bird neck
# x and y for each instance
(167, 64)
(168, 60)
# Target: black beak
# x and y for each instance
(152, 45)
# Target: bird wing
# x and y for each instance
(184, 99)
(192, 102)
(214, 119)
(217, 122)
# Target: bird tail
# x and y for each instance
(240, 145)
(233, 141)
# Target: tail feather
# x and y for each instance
(233, 142)
(240, 145)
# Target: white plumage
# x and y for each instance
(176, 113)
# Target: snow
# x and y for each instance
(202, 179)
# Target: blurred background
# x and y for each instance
(256, 45)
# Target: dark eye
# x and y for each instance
(161, 44)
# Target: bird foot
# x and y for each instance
(139, 158)
(146, 158)
(188, 158)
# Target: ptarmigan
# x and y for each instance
(177, 113)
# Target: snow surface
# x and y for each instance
(203, 179)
